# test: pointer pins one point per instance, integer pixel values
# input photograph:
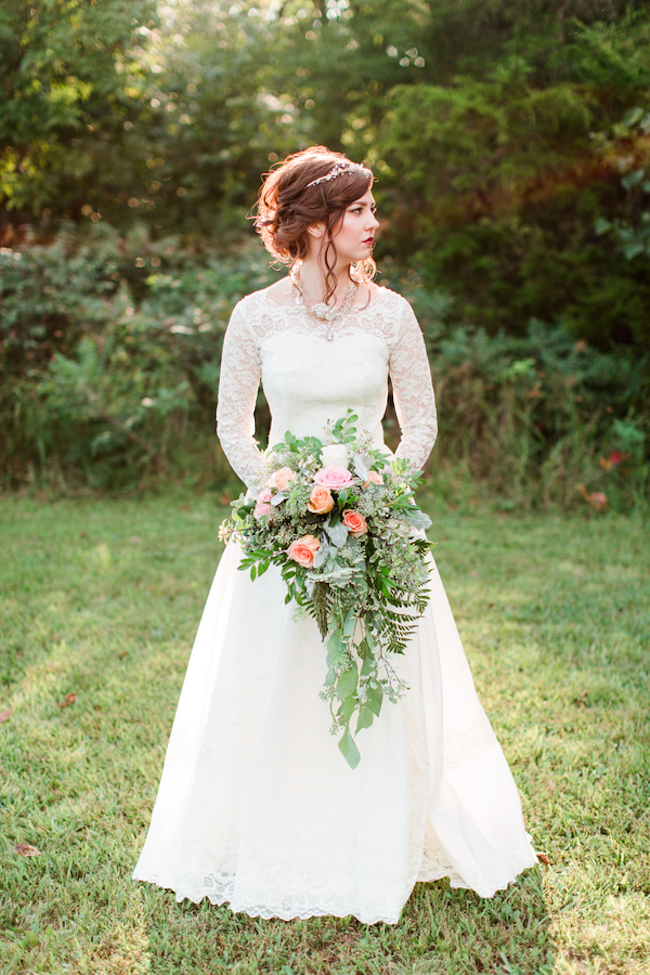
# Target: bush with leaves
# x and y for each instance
(110, 350)
(98, 385)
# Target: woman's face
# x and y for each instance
(355, 237)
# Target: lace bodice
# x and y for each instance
(312, 372)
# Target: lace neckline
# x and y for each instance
(384, 292)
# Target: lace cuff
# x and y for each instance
(239, 381)
(413, 396)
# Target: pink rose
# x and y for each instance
(280, 479)
(263, 505)
(373, 478)
(320, 501)
(354, 522)
(303, 550)
(333, 478)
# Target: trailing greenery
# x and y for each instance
(341, 526)
(101, 598)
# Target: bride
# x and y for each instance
(256, 806)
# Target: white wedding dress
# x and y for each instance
(257, 808)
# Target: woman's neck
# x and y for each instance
(313, 282)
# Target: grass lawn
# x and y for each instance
(101, 599)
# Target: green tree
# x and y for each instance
(71, 87)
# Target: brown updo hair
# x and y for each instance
(287, 206)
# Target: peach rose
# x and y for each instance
(333, 478)
(280, 479)
(354, 522)
(320, 501)
(263, 504)
(303, 550)
(373, 478)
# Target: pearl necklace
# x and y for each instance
(329, 316)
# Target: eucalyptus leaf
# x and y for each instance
(366, 717)
(349, 623)
(335, 645)
(347, 683)
(349, 750)
(347, 708)
(368, 666)
(374, 699)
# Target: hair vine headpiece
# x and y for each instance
(337, 170)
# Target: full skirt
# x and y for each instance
(257, 807)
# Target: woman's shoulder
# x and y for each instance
(257, 302)
(280, 293)
(392, 299)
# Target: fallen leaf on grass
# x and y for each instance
(69, 699)
(26, 850)
(597, 499)
(134, 539)
(5, 715)
(544, 858)
(613, 460)
(185, 507)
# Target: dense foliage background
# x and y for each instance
(512, 148)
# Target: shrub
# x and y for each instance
(99, 387)
(110, 367)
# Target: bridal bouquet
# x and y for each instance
(340, 521)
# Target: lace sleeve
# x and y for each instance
(239, 381)
(415, 403)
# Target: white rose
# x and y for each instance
(335, 455)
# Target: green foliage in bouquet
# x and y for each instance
(340, 522)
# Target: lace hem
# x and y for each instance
(220, 889)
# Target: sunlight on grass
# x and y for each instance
(101, 599)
